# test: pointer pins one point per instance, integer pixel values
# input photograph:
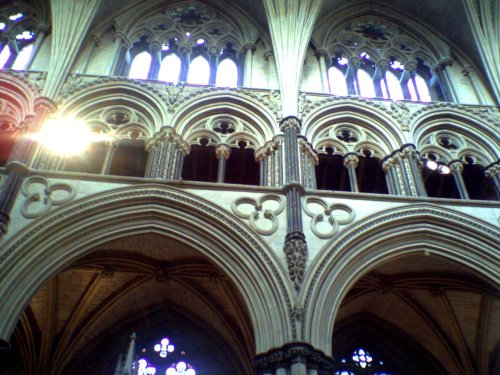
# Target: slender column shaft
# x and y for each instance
(298, 368)
(213, 61)
(247, 79)
(457, 168)
(110, 150)
(222, 153)
(469, 72)
(351, 162)
(444, 80)
(322, 55)
(89, 53)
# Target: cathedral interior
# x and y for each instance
(270, 187)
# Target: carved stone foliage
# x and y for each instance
(262, 213)
(35, 80)
(326, 219)
(173, 94)
(41, 196)
(296, 257)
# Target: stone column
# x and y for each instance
(185, 56)
(402, 171)
(20, 159)
(213, 61)
(379, 78)
(111, 146)
(308, 161)
(295, 243)
(408, 74)
(154, 69)
(248, 50)
(441, 73)
(121, 44)
(270, 158)
(222, 153)
(351, 161)
(457, 167)
(493, 171)
(322, 56)
(351, 76)
(166, 154)
(294, 359)
(95, 42)
(409, 153)
(470, 73)
(272, 74)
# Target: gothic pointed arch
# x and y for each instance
(94, 220)
(443, 233)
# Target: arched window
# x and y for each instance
(393, 85)
(139, 69)
(331, 173)
(199, 71)
(365, 82)
(170, 68)
(241, 167)
(227, 74)
(418, 89)
(4, 56)
(336, 80)
(23, 58)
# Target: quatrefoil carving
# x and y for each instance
(259, 211)
(42, 196)
(333, 215)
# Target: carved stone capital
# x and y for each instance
(222, 150)
(354, 62)
(351, 159)
(493, 169)
(214, 51)
(45, 104)
(456, 166)
(96, 40)
(123, 38)
(322, 52)
(296, 256)
(154, 47)
(382, 65)
(248, 47)
(467, 70)
(290, 122)
(411, 66)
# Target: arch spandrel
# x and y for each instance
(423, 228)
(43, 249)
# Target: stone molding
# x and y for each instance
(327, 213)
(296, 256)
(292, 353)
(259, 211)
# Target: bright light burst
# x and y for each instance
(67, 136)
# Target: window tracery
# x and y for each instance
(19, 30)
(199, 45)
(361, 362)
(376, 59)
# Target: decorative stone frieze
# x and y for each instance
(265, 208)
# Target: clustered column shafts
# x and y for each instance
(308, 161)
(351, 161)
(222, 153)
(20, 160)
(457, 167)
(166, 154)
(270, 158)
(403, 172)
(493, 171)
(295, 243)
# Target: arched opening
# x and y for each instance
(366, 88)
(170, 68)
(417, 314)
(439, 181)
(90, 162)
(336, 79)
(80, 320)
(227, 74)
(129, 158)
(331, 174)
(370, 175)
(478, 185)
(201, 163)
(199, 71)
(393, 89)
(418, 89)
(241, 167)
(23, 58)
(139, 69)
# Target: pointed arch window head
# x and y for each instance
(394, 86)
(227, 74)
(139, 69)
(199, 71)
(418, 89)
(23, 58)
(336, 80)
(4, 56)
(170, 68)
(366, 88)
